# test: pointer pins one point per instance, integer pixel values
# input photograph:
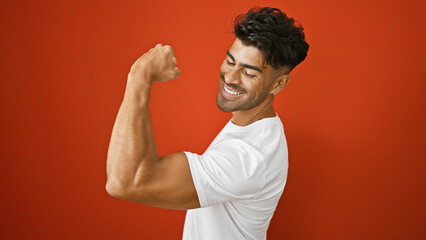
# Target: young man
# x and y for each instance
(232, 189)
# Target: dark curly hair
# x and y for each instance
(280, 40)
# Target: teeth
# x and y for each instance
(231, 92)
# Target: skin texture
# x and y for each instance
(135, 172)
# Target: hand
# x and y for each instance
(156, 65)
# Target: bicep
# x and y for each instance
(170, 184)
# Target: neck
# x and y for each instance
(263, 110)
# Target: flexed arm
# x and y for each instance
(135, 171)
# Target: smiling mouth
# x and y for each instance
(231, 92)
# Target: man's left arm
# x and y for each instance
(135, 171)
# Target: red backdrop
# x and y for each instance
(352, 114)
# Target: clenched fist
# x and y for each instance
(156, 65)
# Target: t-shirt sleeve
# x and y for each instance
(230, 170)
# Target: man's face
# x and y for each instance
(245, 79)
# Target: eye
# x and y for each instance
(230, 63)
(248, 75)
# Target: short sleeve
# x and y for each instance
(229, 170)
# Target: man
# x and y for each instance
(231, 190)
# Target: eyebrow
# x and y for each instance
(244, 64)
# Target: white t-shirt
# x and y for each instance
(239, 180)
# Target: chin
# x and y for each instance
(221, 108)
(222, 104)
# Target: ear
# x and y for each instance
(280, 83)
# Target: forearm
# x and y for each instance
(132, 150)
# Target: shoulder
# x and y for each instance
(236, 153)
(252, 133)
(272, 134)
(229, 170)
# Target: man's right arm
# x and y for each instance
(135, 171)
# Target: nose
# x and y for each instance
(232, 76)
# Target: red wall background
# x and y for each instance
(354, 114)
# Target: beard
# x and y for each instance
(245, 102)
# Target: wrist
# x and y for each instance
(139, 101)
(137, 90)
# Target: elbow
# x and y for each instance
(125, 192)
(116, 188)
(115, 191)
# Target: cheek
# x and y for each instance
(258, 90)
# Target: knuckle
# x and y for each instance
(168, 48)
